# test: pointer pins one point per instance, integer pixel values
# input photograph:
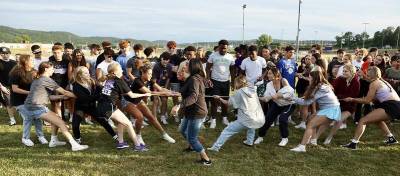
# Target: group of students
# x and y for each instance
(114, 89)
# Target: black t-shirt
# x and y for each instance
(162, 73)
(135, 87)
(175, 61)
(16, 98)
(5, 68)
(131, 64)
(113, 90)
(60, 75)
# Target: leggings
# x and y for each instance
(78, 117)
(270, 116)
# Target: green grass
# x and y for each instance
(372, 158)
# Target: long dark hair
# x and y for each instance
(74, 60)
(42, 68)
(321, 63)
(196, 67)
(318, 79)
(20, 70)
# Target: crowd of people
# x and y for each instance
(129, 88)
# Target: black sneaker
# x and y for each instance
(391, 140)
(351, 145)
(205, 162)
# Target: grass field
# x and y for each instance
(372, 158)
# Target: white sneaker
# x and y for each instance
(88, 121)
(145, 123)
(56, 142)
(111, 123)
(291, 121)
(43, 140)
(213, 123)
(79, 147)
(79, 141)
(225, 121)
(164, 120)
(214, 149)
(301, 125)
(27, 142)
(166, 137)
(327, 141)
(283, 142)
(313, 142)
(299, 148)
(248, 144)
(343, 126)
(258, 140)
(177, 120)
(12, 122)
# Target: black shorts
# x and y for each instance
(391, 107)
(105, 109)
(4, 99)
(220, 88)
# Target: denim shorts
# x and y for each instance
(33, 111)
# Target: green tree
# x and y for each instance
(23, 38)
(264, 39)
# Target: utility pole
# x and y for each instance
(298, 31)
(365, 31)
(244, 6)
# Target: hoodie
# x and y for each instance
(193, 97)
(324, 96)
(286, 91)
(250, 113)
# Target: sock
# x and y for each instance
(354, 141)
(73, 143)
(115, 137)
(390, 135)
(54, 138)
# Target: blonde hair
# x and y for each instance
(351, 68)
(349, 56)
(78, 76)
(374, 73)
(112, 68)
(240, 82)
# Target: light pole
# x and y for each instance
(316, 37)
(298, 30)
(365, 31)
(244, 6)
(398, 36)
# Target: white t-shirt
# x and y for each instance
(104, 66)
(357, 64)
(220, 69)
(253, 69)
(37, 62)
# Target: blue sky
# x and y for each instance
(201, 20)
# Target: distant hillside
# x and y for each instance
(10, 35)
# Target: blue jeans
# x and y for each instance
(190, 130)
(27, 123)
(233, 128)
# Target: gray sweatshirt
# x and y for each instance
(324, 96)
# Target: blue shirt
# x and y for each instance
(122, 60)
(288, 69)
